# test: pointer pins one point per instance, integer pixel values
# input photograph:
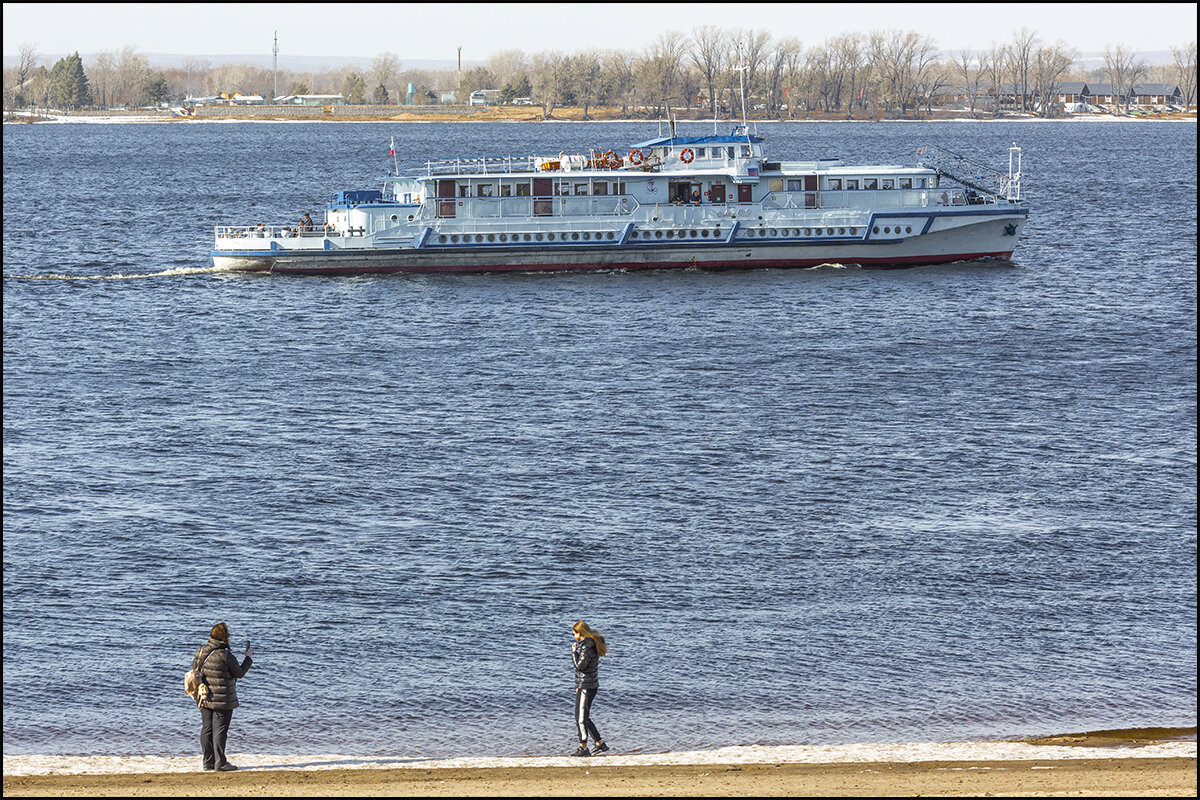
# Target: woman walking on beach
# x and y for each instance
(219, 670)
(586, 651)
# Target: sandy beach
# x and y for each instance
(1129, 763)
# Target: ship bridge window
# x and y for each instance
(851, 183)
(729, 152)
(887, 183)
(906, 183)
(834, 183)
(794, 185)
(919, 183)
(600, 187)
(870, 183)
(745, 151)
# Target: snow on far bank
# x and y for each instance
(751, 754)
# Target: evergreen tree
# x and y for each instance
(300, 88)
(155, 89)
(354, 88)
(381, 95)
(69, 86)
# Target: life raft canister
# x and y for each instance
(686, 155)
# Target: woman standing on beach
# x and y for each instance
(220, 670)
(589, 646)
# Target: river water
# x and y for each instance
(816, 506)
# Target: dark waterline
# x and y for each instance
(810, 506)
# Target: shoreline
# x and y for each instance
(133, 119)
(1151, 761)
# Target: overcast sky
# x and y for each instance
(434, 30)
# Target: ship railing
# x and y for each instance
(501, 207)
(273, 232)
(490, 165)
(991, 182)
(849, 198)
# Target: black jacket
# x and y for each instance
(221, 672)
(587, 665)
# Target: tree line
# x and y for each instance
(881, 73)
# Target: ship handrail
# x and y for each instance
(957, 167)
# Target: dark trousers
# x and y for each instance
(583, 714)
(214, 729)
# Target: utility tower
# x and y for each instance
(275, 64)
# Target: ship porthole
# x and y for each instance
(610, 236)
(875, 229)
(587, 236)
(841, 231)
(774, 232)
(829, 231)
(410, 217)
(550, 236)
(704, 232)
(887, 230)
(716, 231)
(442, 238)
(808, 231)
(539, 237)
(853, 231)
(658, 234)
(527, 237)
(575, 236)
(503, 237)
(394, 218)
(491, 237)
(908, 229)
(818, 231)
(454, 238)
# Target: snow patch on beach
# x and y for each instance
(751, 754)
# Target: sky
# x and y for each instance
(435, 30)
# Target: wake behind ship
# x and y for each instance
(710, 202)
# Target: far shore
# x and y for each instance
(567, 114)
(1137, 762)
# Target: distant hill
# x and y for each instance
(289, 62)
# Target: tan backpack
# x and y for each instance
(194, 684)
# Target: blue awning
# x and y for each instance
(673, 140)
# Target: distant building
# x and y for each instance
(449, 97)
(310, 100)
(485, 97)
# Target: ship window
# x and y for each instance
(491, 237)
(506, 190)
(464, 190)
(600, 187)
(699, 152)
(818, 231)
(694, 234)
(851, 183)
(887, 183)
(745, 151)
(919, 183)
(442, 238)
(550, 236)
(539, 237)
(716, 231)
(841, 231)
(775, 185)
(394, 218)
(808, 231)
(887, 230)
(870, 183)
(485, 189)
(527, 237)
(524, 190)
(610, 236)
(454, 238)
(906, 183)
(479, 237)
(729, 151)
(794, 185)
(908, 228)
(853, 231)
(834, 183)
(704, 232)
(875, 229)
(504, 237)
(581, 188)
(619, 187)
(563, 188)
(829, 231)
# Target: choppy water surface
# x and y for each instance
(807, 507)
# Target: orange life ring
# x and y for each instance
(635, 156)
(686, 155)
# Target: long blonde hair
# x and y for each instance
(583, 630)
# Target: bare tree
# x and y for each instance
(782, 56)
(658, 70)
(550, 75)
(619, 79)
(1021, 63)
(995, 65)
(709, 53)
(585, 77)
(967, 69)
(383, 72)
(848, 57)
(1185, 72)
(1124, 69)
(1049, 66)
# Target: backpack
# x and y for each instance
(194, 683)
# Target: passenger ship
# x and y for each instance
(711, 202)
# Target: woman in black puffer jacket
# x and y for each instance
(220, 670)
(589, 646)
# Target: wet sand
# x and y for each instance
(1067, 770)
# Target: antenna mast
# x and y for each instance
(275, 64)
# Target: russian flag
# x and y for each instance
(752, 172)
